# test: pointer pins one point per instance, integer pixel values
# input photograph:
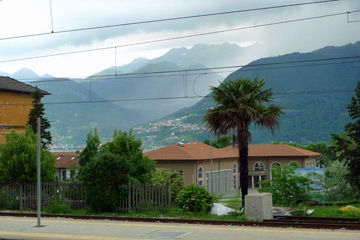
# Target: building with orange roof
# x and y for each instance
(64, 162)
(196, 161)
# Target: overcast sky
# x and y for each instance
(23, 17)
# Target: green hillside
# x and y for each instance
(310, 92)
(72, 116)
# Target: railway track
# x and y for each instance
(278, 221)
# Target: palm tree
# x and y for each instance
(238, 104)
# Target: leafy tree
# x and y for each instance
(286, 187)
(38, 111)
(238, 104)
(103, 177)
(92, 148)
(220, 142)
(337, 188)
(162, 176)
(348, 147)
(129, 148)
(18, 159)
(116, 162)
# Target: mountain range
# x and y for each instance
(314, 94)
(164, 99)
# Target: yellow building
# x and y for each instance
(15, 105)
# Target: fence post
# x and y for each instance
(129, 198)
(169, 200)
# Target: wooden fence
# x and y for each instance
(135, 198)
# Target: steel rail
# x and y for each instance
(279, 222)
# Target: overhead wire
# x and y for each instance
(178, 37)
(196, 71)
(316, 61)
(160, 20)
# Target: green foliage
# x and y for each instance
(194, 199)
(162, 176)
(129, 148)
(337, 188)
(348, 147)
(102, 177)
(286, 187)
(58, 208)
(92, 148)
(38, 111)
(18, 159)
(8, 203)
(119, 161)
(220, 142)
(240, 103)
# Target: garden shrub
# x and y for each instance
(58, 208)
(194, 199)
(286, 187)
(103, 177)
(162, 176)
(337, 187)
(9, 203)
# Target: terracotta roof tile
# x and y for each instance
(65, 159)
(272, 150)
(193, 150)
(196, 150)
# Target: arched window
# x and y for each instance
(294, 164)
(200, 176)
(234, 175)
(274, 164)
(307, 164)
(259, 166)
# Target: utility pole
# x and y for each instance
(38, 172)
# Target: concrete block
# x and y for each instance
(258, 206)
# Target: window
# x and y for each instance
(277, 164)
(200, 176)
(234, 175)
(62, 175)
(294, 164)
(259, 166)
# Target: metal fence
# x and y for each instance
(137, 198)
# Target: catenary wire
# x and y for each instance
(178, 37)
(248, 67)
(161, 20)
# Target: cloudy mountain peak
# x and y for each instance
(24, 74)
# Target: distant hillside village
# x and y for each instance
(195, 160)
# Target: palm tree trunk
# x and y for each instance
(243, 162)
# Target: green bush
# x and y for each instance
(194, 199)
(58, 208)
(337, 187)
(9, 203)
(286, 187)
(103, 177)
(162, 176)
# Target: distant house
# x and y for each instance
(64, 162)
(196, 161)
(15, 105)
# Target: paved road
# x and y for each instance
(24, 228)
